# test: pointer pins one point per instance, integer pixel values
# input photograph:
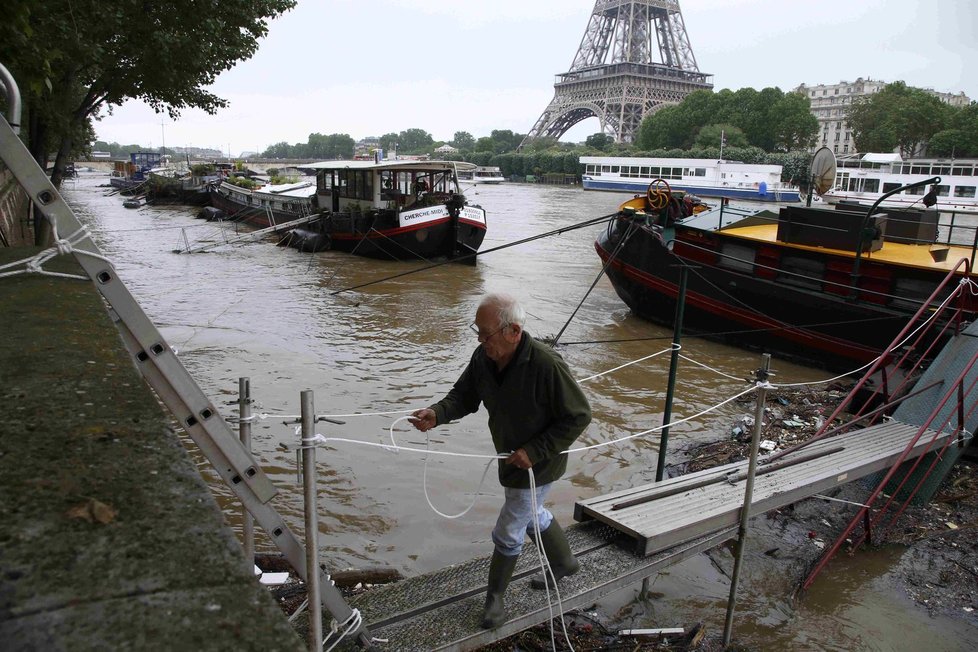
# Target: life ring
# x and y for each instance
(658, 194)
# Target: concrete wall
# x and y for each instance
(15, 230)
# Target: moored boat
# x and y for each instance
(866, 178)
(828, 287)
(265, 205)
(133, 174)
(703, 177)
(396, 210)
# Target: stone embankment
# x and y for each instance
(111, 540)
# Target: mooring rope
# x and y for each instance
(560, 231)
(61, 247)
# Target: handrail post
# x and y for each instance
(677, 333)
(310, 492)
(12, 92)
(244, 433)
(762, 376)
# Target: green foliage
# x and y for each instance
(768, 119)
(463, 141)
(897, 116)
(202, 169)
(600, 141)
(278, 179)
(243, 182)
(710, 136)
(73, 59)
(960, 137)
(414, 141)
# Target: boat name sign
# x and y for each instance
(432, 213)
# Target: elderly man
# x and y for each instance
(536, 411)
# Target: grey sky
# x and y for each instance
(369, 67)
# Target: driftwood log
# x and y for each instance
(275, 563)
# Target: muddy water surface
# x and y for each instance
(271, 314)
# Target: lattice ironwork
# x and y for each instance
(615, 77)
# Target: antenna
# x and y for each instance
(821, 173)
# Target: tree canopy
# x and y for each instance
(74, 58)
(769, 119)
(897, 116)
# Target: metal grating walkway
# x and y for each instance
(442, 610)
(696, 504)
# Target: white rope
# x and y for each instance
(353, 622)
(546, 569)
(709, 368)
(657, 353)
(61, 247)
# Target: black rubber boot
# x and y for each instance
(500, 572)
(562, 561)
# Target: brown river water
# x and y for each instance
(269, 314)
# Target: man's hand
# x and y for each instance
(423, 419)
(519, 459)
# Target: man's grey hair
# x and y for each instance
(505, 307)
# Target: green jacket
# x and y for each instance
(538, 407)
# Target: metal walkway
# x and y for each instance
(659, 515)
(442, 610)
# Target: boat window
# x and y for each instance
(920, 190)
(654, 172)
(905, 169)
(737, 257)
(871, 185)
(964, 171)
(606, 168)
(964, 191)
(889, 187)
(645, 171)
(803, 272)
(701, 172)
(919, 169)
(943, 191)
(615, 169)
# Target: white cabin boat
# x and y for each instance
(481, 174)
(864, 179)
(702, 177)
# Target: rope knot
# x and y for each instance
(33, 266)
(64, 246)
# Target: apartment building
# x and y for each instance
(830, 102)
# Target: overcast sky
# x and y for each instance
(370, 67)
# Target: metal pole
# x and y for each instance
(762, 376)
(677, 333)
(309, 482)
(244, 432)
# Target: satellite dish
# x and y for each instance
(822, 171)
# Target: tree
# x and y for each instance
(793, 126)
(484, 144)
(710, 135)
(73, 59)
(960, 138)
(463, 141)
(600, 141)
(414, 141)
(897, 116)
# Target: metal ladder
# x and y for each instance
(159, 365)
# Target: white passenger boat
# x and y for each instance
(863, 179)
(481, 174)
(701, 177)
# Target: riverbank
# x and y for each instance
(111, 540)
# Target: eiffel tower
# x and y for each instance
(622, 90)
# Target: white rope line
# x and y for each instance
(61, 247)
(546, 568)
(709, 368)
(657, 353)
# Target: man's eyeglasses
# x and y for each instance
(485, 338)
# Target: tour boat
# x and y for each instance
(864, 179)
(828, 287)
(702, 177)
(481, 174)
(392, 209)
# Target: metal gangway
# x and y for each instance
(910, 428)
(251, 235)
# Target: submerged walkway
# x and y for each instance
(110, 538)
